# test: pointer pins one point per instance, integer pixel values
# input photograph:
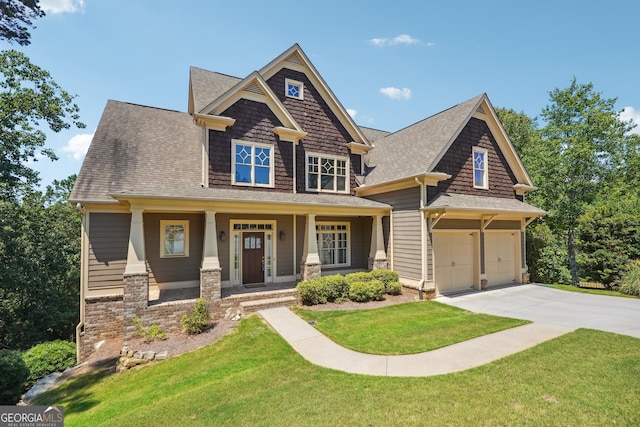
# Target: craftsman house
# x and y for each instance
(266, 180)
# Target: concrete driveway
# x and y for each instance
(547, 305)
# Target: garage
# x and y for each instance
(500, 257)
(454, 261)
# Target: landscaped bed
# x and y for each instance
(407, 328)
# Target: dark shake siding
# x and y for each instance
(108, 246)
(458, 162)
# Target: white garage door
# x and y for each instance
(500, 257)
(454, 266)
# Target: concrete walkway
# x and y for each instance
(320, 350)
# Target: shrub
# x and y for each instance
(196, 320)
(385, 276)
(151, 333)
(366, 291)
(335, 288)
(13, 374)
(631, 280)
(393, 288)
(48, 357)
(311, 292)
(363, 276)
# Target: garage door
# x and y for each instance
(454, 266)
(500, 257)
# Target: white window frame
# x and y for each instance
(163, 237)
(319, 188)
(335, 231)
(485, 170)
(292, 82)
(253, 145)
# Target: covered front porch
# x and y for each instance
(229, 252)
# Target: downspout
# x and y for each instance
(82, 272)
(422, 243)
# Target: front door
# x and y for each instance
(252, 257)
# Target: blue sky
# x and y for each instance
(390, 63)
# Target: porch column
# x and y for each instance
(210, 273)
(135, 254)
(377, 254)
(310, 266)
(135, 296)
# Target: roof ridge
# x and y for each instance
(215, 72)
(433, 115)
(146, 106)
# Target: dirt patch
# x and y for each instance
(351, 305)
(107, 355)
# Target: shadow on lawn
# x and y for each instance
(70, 394)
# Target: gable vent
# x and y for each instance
(294, 58)
(480, 110)
(254, 88)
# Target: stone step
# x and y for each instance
(249, 307)
(235, 300)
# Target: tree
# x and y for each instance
(28, 97)
(15, 17)
(581, 148)
(39, 267)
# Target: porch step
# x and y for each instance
(234, 301)
(249, 307)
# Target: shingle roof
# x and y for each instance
(373, 134)
(142, 148)
(488, 204)
(413, 150)
(207, 86)
(223, 194)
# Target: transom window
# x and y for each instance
(174, 238)
(480, 168)
(327, 173)
(333, 244)
(293, 89)
(252, 164)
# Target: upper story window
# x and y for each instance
(480, 167)
(327, 173)
(293, 89)
(252, 164)
(174, 238)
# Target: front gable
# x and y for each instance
(458, 162)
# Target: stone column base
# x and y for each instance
(210, 284)
(378, 264)
(309, 271)
(135, 300)
(526, 278)
(484, 283)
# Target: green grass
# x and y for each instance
(252, 377)
(607, 292)
(408, 328)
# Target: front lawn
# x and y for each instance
(253, 377)
(408, 328)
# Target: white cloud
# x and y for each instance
(396, 93)
(62, 6)
(630, 113)
(78, 145)
(401, 39)
(352, 112)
